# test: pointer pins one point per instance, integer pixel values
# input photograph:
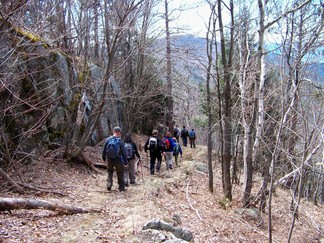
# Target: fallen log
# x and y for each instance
(25, 203)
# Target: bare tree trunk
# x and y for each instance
(227, 123)
(247, 106)
(209, 48)
(322, 190)
(169, 116)
(261, 79)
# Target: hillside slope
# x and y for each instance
(182, 192)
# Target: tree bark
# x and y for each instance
(227, 114)
(169, 115)
(209, 48)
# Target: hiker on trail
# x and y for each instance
(184, 136)
(176, 151)
(114, 153)
(176, 132)
(153, 144)
(167, 145)
(192, 138)
(131, 151)
(160, 131)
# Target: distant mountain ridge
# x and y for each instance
(196, 47)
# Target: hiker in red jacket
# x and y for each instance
(167, 145)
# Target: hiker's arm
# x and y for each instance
(136, 151)
(104, 151)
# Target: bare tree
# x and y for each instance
(210, 43)
(226, 115)
(169, 114)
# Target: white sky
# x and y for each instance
(189, 21)
(196, 19)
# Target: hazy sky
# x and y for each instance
(196, 19)
(190, 19)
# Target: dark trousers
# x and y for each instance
(158, 157)
(119, 166)
(192, 143)
(185, 141)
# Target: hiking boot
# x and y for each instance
(126, 184)
(109, 188)
(170, 167)
(122, 189)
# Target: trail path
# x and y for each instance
(124, 213)
(182, 191)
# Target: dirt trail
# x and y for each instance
(124, 214)
(182, 191)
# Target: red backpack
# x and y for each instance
(165, 144)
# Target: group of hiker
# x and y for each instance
(121, 155)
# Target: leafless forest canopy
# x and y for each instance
(252, 88)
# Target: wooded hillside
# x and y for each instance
(252, 89)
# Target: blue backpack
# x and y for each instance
(113, 148)
(192, 134)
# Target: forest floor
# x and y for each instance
(182, 191)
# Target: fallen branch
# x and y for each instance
(194, 209)
(297, 170)
(24, 203)
(14, 185)
(84, 157)
(100, 165)
(41, 189)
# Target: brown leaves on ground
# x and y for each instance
(180, 193)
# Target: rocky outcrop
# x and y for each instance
(41, 88)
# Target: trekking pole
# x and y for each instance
(147, 163)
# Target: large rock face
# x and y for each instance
(39, 94)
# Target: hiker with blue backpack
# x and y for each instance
(114, 153)
(153, 144)
(176, 151)
(192, 138)
(167, 145)
(131, 151)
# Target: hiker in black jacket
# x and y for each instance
(153, 144)
(130, 168)
(114, 153)
(184, 135)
